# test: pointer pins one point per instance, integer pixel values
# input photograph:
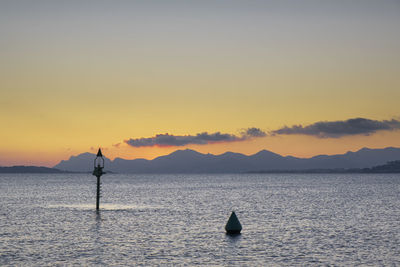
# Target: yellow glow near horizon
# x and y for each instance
(72, 80)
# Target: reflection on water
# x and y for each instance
(147, 220)
(233, 237)
(103, 207)
(98, 219)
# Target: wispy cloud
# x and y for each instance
(204, 138)
(336, 129)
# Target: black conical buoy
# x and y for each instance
(233, 226)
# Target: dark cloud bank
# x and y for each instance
(336, 129)
(198, 139)
(322, 129)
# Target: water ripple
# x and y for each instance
(145, 220)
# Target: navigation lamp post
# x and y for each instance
(98, 171)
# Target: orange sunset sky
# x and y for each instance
(78, 75)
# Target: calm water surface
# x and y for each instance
(288, 219)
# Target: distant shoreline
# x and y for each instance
(327, 171)
(44, 170)
(390, 167)
(30, 169)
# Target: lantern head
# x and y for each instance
(99, 160)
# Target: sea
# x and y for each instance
(179, 220)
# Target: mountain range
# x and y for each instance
(190, 161)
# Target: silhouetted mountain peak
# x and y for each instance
(264, 154)
(181, 155)
(184, 152)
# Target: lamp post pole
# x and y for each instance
(98, 171)
(98, 193)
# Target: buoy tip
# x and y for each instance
(233, 225)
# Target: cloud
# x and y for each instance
(321, 129)
(204, 138)
(254, 132)
(336, 129)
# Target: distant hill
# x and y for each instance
(190, 161)
(81, 163)
(29, 169)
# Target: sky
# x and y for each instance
(141, 79)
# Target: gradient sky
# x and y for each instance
(76, 75)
